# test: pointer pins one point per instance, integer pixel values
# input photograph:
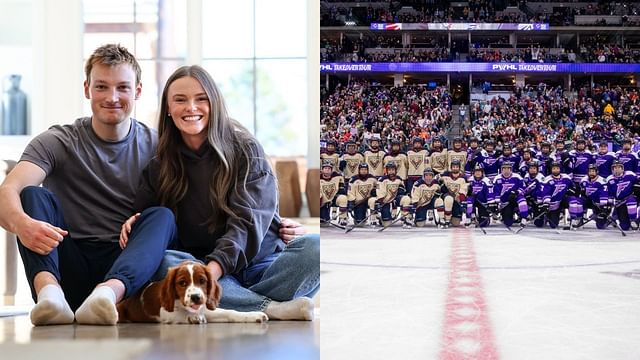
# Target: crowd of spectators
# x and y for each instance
(476, 11)
(546, 113)
(530, 54)
(362, 110)
(608, 53)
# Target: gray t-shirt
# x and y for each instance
(94, 180)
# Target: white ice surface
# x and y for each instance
(550, 294)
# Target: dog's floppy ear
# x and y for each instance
(214, 291)
(168, 290)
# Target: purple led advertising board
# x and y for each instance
(480, 67)
(460, 26)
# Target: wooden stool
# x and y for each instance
(313, 192)
(289, 188)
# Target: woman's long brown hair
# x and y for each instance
(231, 143)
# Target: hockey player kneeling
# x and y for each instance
(560, 187)
(423, 196)
(480, 197)
(534, 192)
(362, 190)
(453, 201)
(620, 195)
(591, 194)
(332, 194)
(508, 188)
(391, 195)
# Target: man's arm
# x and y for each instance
(37, 236)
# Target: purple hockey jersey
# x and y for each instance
(619, 188)
(503, 187)
(604, 161)
(556, 189)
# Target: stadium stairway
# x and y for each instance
(455, 127)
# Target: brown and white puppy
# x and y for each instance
(188, 294)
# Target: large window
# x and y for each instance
(257, 59)
(256, 51)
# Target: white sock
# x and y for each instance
(296, 309)
(52, 308)
(99, 308)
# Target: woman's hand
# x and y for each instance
(126, 229)
(290, 230)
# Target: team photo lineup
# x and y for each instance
(388, 158)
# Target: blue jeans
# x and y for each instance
(80, 265)
(292, 273)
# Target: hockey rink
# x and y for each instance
(460, 294)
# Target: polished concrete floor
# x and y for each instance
(272, 340)
(459, 294)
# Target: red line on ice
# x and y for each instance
(466, 331)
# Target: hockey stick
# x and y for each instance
(475, 218)
(347, 230)
(612, 221)
(522, 227)
(593, 216)
(329, 222)
(398, 218)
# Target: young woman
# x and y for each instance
(214, 176)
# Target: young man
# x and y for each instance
(68, 230)
(89, 169)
